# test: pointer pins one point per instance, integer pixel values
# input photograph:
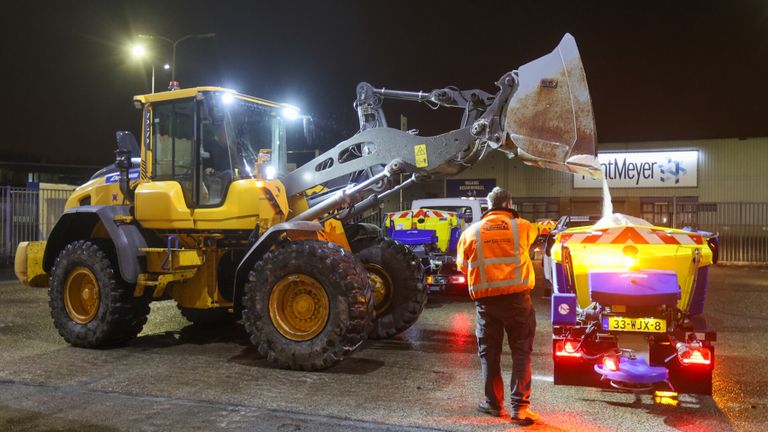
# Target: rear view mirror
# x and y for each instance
(127, 142)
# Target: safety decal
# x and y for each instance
(420, 153)
(425, 213)
(115, 177)
(631, 235)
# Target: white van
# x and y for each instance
(469, 209)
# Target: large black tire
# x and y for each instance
(362, 235)
(120, 316)
(345, 283)
(208, 316)
(406, 292)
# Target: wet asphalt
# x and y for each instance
(177, 376)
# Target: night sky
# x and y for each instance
(656, 70)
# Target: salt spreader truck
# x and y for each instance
(432, 229)
(433, 236)
(624, 279)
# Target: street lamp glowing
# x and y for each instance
(290, 112)
(166, 66)
(138, 51)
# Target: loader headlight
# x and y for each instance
(227, 98)
(290, 112)
(270, 172)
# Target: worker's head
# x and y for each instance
(499, 198)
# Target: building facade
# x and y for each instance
(727, 171)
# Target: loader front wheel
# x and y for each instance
(397, 279)
(91, 305)
(307, 303)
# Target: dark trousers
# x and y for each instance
(514, 314)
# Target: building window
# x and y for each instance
(537, 209)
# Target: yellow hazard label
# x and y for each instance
(420, 151)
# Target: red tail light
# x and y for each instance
(696, 356)
(566, 349)
(611, 363)
(459, 279)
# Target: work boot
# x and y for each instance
(486, 408)
(524, 414)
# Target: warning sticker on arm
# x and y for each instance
(420, 152)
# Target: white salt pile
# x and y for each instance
(618, 219)
(607, 202)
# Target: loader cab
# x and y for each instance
(206, 139)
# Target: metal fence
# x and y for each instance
(28, 214)
(743, 229)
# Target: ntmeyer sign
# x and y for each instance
(469, 187)
(645, 170)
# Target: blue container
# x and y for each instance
(415, 236)
(561, 284)
(699, 292)
(634, 288)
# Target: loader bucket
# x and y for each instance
(549, 121)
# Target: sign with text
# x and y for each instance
(645, 170)
(478, 188)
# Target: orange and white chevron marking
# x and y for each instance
(425, 213)
(631, 235)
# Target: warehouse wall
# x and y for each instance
(730, 170)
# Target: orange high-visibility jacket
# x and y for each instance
(493, 253)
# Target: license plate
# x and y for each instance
(649, 325)
(437, 280)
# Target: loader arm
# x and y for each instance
(541, 113)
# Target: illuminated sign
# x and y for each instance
(668, 169)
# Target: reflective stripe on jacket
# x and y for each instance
(493, 253)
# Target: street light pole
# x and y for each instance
(175, 85)
(153, 76)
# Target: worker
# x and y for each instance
(493, 253)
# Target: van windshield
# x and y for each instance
(462, 212)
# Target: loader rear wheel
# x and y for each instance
(307, 303)
(207, 316)
(91, 305)
(397, 279)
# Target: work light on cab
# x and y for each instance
(290, 112)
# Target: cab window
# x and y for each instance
(462, 212)
(173, 135)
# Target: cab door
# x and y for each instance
(165, 202)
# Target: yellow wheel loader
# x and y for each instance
(202, 210)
